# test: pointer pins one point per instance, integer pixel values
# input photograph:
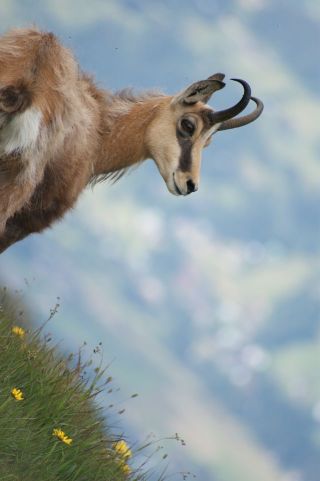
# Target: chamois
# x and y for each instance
(59, 132)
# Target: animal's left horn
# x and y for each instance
(223, 115)
(245, 119)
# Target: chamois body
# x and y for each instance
(59, 132)
(69, 127)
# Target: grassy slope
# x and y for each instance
(55, 396)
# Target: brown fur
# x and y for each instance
(81, 125)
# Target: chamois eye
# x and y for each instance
(187, 127)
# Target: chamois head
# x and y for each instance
(184, 126)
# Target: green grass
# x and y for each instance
(55, 396)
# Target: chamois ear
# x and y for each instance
(217, 76)
(200, 91)
(14, 98)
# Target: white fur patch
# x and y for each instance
(21, 132)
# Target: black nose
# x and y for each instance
(190, 186)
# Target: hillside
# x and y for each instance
(51, 425)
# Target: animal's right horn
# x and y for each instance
(245, 119)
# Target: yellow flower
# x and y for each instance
(18, 331)
(17, 394)
(126, 469)
(121, 448)
(62, 436)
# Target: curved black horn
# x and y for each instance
(245, 119)
(223, 115)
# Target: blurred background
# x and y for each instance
(207, 306)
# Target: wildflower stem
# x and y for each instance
(52, 449)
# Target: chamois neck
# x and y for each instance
(124, 133)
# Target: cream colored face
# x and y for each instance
(175, 140)
(183, 126)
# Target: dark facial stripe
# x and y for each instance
(185, 160)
